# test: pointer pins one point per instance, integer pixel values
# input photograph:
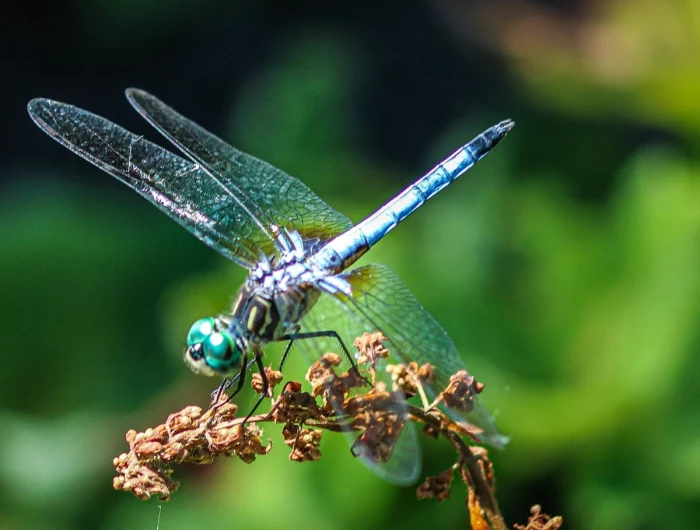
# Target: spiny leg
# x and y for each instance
(316, 334)
(265, 386)
(228, 383)
(286, 352)
(240, 377)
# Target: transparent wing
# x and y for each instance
(173, 184)
(404, 464)
(270, 195)
(384, 303)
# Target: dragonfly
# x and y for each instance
(297, 249)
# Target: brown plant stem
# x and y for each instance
(483, 490)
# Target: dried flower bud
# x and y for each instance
(292, 386)
(327, 383)
(437, 487)
(353, 379)
(304, 443)
(371, 348)
(273, 379)
(321, 371)
(426, 372)
(381, 417)
(187, 436)
(541, 521)
(181, 421)
(460, 392)
(294, 406)
(404, 378)
(249, 445)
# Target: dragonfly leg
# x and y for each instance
(223, 387)
(316, 334)
(265, 386)
(228, 383)
(286, 352)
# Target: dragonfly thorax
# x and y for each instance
(270, 305)
(267, 307)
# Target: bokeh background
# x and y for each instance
(565, 265)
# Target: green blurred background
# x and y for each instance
(565, 265)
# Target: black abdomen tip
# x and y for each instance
(488, 139)
(504, 127)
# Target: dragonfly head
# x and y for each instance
(212, 349)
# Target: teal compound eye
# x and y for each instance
(212, 351)
(201, 330)
(221, 353)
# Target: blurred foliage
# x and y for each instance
(578, 309)
(634, 60)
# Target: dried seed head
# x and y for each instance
(381, 417)
(181, 421)
(541, 521)
(377, 413)
(141, 480)
(249, 444)
(274, 377)
(294, 406)
(304, 443)
(187, 436)
(404, 377)
(353, 379)
(426, 372)
(321, 371)
(371, 348)
(460, 392)
(327, 383)
(437, 487)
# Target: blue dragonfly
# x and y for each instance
(296, 248)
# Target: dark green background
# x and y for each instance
(565, 265)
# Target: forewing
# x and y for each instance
(176, 186)
(270, 195)
(330, 314)
(384, 303)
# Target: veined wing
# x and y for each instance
(404, 464)
(176, 186)
(267, 193)
(384, 303)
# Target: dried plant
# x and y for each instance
(349, 401)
